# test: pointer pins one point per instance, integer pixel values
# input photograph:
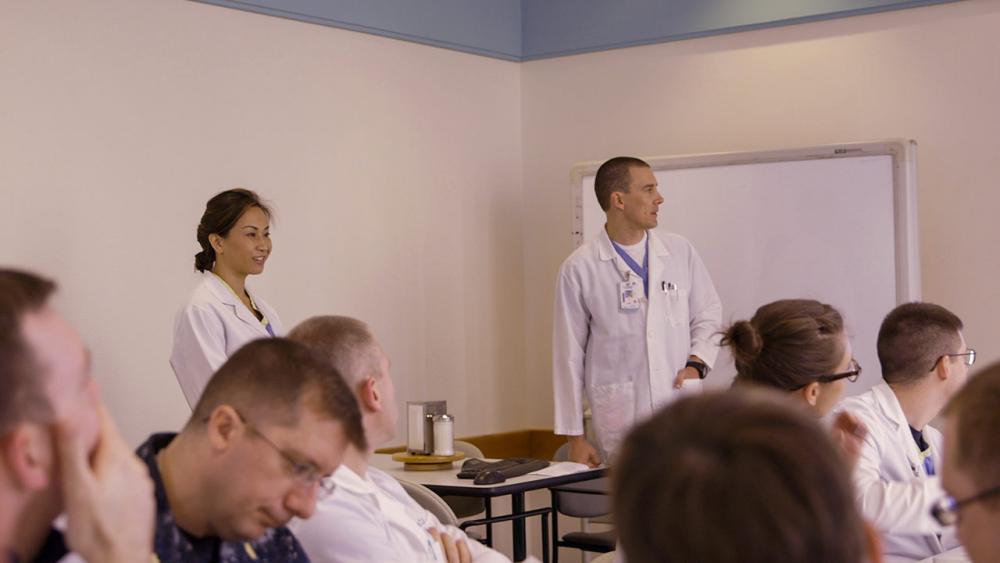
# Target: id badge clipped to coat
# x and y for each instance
(628, 294)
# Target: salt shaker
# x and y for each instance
(444, 434)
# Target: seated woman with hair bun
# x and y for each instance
(798, 346)
(222, 314)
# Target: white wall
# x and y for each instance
(930, 74)
(427, 191)
(394, 169)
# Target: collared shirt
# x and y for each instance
(174, 545)
(372, 518)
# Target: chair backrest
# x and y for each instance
(430, 501)
(469, 449)
(582, 505)
(465, 507)
(604, 558)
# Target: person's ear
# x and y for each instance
(810, 393)
(223, 426)
(371, 398)
(28, 452)
(943, 369)
(617, 201)
(216, 241)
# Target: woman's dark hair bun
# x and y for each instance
(745, 342)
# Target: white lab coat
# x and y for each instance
(212, 326)
(626, 360)
(893, 490)
(375, 520)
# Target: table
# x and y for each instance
(445, 482)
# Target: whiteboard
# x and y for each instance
(834, 223)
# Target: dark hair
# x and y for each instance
(22, 382)
(345, 342)
(975, 412)
(271, 379)
(787, 344)
(742, 476)
(221, 214)
(614, 176)
(912, 338)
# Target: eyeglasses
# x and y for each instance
(305, 473)
(970, 358)
(852, 375)
(945, 511)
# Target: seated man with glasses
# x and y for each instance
(270, 426)
(971, 471)
(925, 361)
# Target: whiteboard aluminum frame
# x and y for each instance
(904, 179)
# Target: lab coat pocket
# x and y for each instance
(613, 410)
(677, 307)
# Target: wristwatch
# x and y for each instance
(702, 368)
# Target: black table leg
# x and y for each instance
(517, 507)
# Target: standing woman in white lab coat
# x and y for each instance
(223, 314)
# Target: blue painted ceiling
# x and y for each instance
(520, 30)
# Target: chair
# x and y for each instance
(430, 501)
(608, 557)
(467, 507)
(585, 500)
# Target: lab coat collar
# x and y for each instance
(345, 478)
(605, 251)
(223, 293)
(887, 402)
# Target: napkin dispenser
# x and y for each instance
(420, 425)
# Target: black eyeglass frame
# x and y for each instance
(945, 510)
(306, 473)
(969, 362)
(851, 375)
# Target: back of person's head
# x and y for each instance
(271, 380)
(787, 344)
(347, 343)
(614, 176)
(912, 338)
(742, 476)
(975, 412)
(221, 214)
(23, 396)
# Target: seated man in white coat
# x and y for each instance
(369, 517)
(924, 361)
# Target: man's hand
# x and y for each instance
(686, 373)
(849, 433)
(454, 551)
(581, 451)
(108, 495)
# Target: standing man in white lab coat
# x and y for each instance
(925, 361)
(635, 314)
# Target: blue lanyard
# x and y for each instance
(269, 329)
(641, 271)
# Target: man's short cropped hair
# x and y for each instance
(743, 476)
(976, 411)
(272, 379)
(22, 380)
(614, 176)
(347, 343)
(913, 337)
